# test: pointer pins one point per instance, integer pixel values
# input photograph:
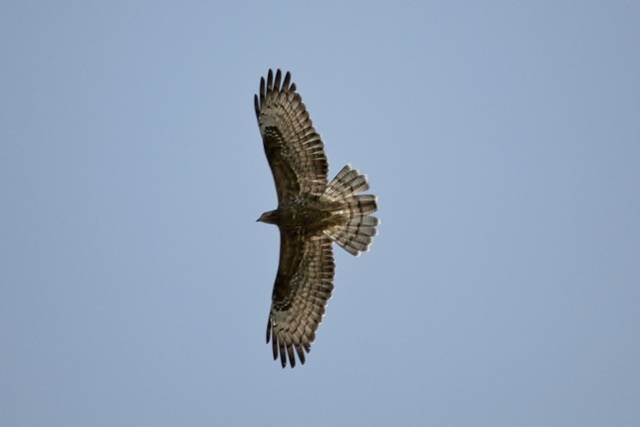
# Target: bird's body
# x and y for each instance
(312, 214)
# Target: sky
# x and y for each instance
(502, 139)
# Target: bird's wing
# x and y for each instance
(294, 150)
(302, 288)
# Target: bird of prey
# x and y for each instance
(312, 213)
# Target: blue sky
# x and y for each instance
(503, 141)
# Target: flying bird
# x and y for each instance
(312, 213)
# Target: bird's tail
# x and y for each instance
(356, 233)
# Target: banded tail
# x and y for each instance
(356, 233)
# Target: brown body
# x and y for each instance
(312, 214)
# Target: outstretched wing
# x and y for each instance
(294, 150)
(303, 286)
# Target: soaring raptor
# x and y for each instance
(312, 213)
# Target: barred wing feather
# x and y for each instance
(302, 288)
(293, 148)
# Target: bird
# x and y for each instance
(312, 214)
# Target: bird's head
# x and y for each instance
(269, 217)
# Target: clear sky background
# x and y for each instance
(503, 141)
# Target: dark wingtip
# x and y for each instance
(292, 357)
(268, 330)
(287, 80)
(276, 84)
(283, 355)
(263, 91)
(300, 354)
(274, 346)
(256, 105)
(270, 80)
